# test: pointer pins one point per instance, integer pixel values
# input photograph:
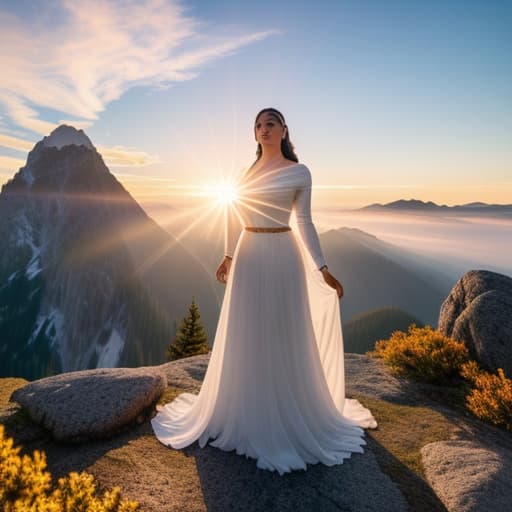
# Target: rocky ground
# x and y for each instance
(425, 455)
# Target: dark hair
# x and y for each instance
(286, 146)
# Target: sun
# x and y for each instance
(226, 193)
(223, 193)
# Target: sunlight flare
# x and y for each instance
(222, 193)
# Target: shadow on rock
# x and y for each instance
(234, 482)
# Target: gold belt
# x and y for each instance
(268, 230)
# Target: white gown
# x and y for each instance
(274, 388)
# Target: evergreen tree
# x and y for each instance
(190, 338)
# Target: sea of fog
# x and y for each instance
(479, 242)
(458, 242)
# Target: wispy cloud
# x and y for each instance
(120, 156)
(147, 178)
(8, 163)
(116, 156)
(78, 62)
(7, 141)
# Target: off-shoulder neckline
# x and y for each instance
(247, 171)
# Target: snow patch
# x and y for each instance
(33, 267)
(27, 175)
(66, 135)
(111, 352)
(35, 333)
(24, 233)
(12, 276)
(57, 323)
(25, 237)
(54, 326)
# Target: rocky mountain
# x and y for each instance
(87, 279)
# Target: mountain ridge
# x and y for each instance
(419, 205)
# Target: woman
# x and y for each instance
(274, 388)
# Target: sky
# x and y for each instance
(383, 100)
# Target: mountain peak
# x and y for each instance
(66, 135)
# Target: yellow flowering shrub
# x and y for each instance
(422, 353)
(491, 398)
(25, 485)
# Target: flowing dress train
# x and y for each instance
(274, 389)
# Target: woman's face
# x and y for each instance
(268, 130)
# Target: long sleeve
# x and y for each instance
(307, 230)
(232, 229)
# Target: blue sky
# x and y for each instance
(383, 100)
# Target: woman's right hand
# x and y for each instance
(223, 270)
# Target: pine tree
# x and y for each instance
(190, 337)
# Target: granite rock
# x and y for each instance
(478, 312)
(91, 404)
(469, 476)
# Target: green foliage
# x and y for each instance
(26, 485)
(20, 302)
(491, 397)
(423, 353)
(149, 328)
(148, 331)
(191, 338)
(16, 258)
(360, 333)
(426, 354)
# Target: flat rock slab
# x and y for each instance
(233, 482)
(468, 476)
(91, 404)
(370, 376)
(208, 479)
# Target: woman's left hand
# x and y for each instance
(333, 282)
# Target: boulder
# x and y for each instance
(91, 404)
(186, 373)
(478, 312)
(469, 476)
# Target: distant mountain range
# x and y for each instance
(418, 205)
(375, 274)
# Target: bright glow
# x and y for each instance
(224, 193)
